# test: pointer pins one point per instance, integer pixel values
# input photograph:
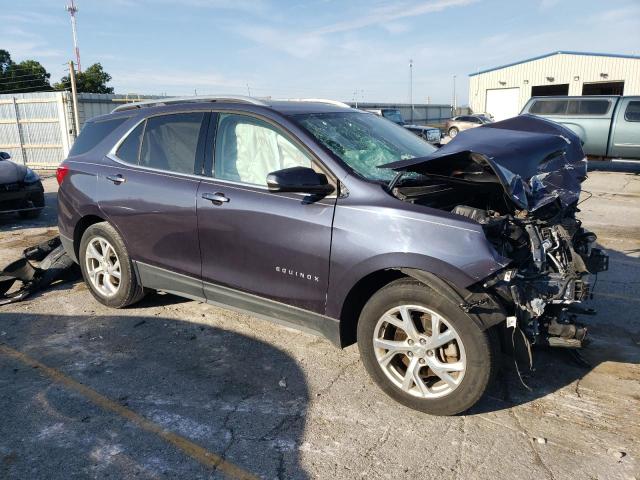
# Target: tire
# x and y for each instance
(453, 131)
(468, 360)
(107, 288)
(30, 214)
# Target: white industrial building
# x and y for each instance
(503, 91)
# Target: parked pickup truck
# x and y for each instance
(609, 126)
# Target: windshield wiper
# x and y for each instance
(394, 181)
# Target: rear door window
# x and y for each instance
(93, 133)
(632, 112)
(549, 107)
(170, 142)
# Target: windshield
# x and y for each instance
(365, 141)
(394, 115)
(485, 119)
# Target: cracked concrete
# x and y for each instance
(212, 376)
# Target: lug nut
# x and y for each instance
(409, 354)
(430, 353)
(422, 361)
(423, 341)
(410, 342)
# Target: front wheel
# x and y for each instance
(453, 131)
(423, 350)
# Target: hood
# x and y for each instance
(11, 172)
(536, 161)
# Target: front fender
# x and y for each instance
(340, 288)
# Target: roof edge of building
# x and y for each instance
(558, 52)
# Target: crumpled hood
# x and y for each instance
(11, 172)
(536, 160)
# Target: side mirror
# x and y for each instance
(299, 180)
(4, 156)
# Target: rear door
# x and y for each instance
(625, 135)
(272, 245)
(148, 191)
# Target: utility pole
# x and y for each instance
(73, 10)
(74, 97)
(411, 86)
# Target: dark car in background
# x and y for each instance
(464, 122)
(20, 189)
(336, 221)
(431, 134)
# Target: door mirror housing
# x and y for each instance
(299, 180)
(4, 156)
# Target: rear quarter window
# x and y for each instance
(93, 133)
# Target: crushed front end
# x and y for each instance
(521, 180)
(553, 260)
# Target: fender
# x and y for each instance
(339, 288)
(480, 307)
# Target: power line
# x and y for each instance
(23, 81)
(22, 76)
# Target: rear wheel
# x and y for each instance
(107, 268)
(453, 131)
(422, 350)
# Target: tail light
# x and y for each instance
(61, 172)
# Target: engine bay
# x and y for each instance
(553, 258)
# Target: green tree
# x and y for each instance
(93, 80)
(26, 76)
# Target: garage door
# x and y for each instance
(503, 103)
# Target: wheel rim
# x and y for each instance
(453, 132)
(419, 351)
(103, 266)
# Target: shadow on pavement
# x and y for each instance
(237, 397)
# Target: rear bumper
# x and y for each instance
(24, 198)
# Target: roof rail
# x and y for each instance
(320, 100)
(194, 99)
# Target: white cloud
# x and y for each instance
(388, 13)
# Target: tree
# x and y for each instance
(93, 80)
(26, 76)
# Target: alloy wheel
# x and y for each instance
(103, 266)
(419, 351)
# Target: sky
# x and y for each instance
(343, 50)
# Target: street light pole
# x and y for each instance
(411, 86)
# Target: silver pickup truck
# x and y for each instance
(609, 126)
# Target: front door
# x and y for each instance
(147, 189)
(273, 245)
(625, 141)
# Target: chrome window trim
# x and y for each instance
(113, 156)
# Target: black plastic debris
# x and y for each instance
(55, 266)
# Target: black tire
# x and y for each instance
(453, 131)
(480, 349)
(129, 290)
(30, 214)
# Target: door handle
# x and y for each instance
(117, 179)
(216, 198)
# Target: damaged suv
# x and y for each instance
(333, 220)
